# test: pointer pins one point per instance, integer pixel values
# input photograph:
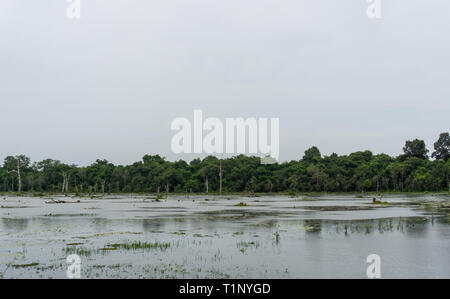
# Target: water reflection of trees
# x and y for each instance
(152, 224)
(417, 226)
(15, 224)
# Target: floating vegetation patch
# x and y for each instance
(308, 199)
(14, 207)
(380, 203)
(108, 234)
(178, 233)
(239, 212)
(140, 246)
(312, 228)
(312, 225)
(108, 248)
(244, 245)
(241, 204)
(74, 244)
(163, 208)
(98, 266)
(25, 265)
(292, 194)
(70, 215)
(267, 223)
(337, 208)
(156, 231)
(436, 207)
(81, 251)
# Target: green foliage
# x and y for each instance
(361, 171)
(442, 147)
(312, 155)
(415, 148)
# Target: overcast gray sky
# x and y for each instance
(110, 84)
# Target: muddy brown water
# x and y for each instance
(127, 236)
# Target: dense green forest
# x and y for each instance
(358, 172)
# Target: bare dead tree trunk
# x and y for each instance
(65, 185)
(18, 176)
(103, 186)
(206, 184)
(167, 188)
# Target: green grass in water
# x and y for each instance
(25, 265)
(140, 245)
(78, 250)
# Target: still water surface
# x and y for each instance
(327, 236)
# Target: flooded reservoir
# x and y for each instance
(129, 236)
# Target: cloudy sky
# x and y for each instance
(109, 84)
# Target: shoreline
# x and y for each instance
(243, 194)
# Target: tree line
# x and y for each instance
(360, 171)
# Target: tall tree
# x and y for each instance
(312, 155)
(415, 148)
(442, 147)
(16, 164)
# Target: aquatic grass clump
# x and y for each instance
(140, 245)
(311, 228)
(241, 204)
(25, 265)
(380, 203)
(292, 194)
(308, 199)
(81, 251)
(244, 245)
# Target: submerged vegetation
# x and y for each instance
(244, 245)
(134, 246)
(25, 265)
(81, 251)
(140, 245)
(358, 172)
